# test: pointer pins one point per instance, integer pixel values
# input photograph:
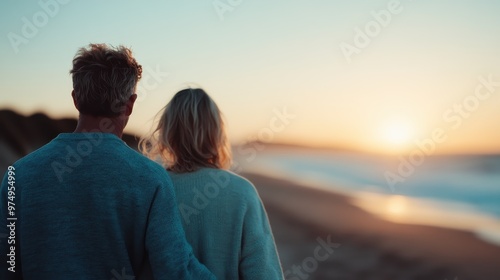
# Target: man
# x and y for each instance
(86, 206)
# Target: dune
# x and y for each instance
(369, 247)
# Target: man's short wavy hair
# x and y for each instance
(104, 78)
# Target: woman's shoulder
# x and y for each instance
(214, 180)
(229, 182)
(226, 178)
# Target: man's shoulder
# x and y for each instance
(142, 163)
(157, 171)
(148, 171)
(35, 156)
(121, 156)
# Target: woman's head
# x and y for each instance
(190, 134)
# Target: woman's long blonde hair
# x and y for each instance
(190, 134)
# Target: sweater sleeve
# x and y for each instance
(10, 260)
(259, 259)
(170, 254)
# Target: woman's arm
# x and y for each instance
(259, 258)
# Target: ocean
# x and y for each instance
(459, 191)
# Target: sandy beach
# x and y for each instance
(368, 247)
(305, 218)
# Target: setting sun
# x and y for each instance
(397, 134)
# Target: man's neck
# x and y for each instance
(114, 125)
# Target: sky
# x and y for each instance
(378, 76)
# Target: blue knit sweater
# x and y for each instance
(226, 225)
(89, 207)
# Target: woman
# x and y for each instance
(222, 214)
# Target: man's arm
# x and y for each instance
(170, 254)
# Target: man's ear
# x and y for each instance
(74, 99)
(130, 104)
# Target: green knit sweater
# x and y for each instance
(226, 225)
(89, 207)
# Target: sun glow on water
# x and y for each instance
(396, 206)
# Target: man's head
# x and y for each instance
(104, 81)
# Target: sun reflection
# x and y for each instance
(397, 206)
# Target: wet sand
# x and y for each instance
(369, 247)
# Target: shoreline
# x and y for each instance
(425, 211)
(370, 247)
